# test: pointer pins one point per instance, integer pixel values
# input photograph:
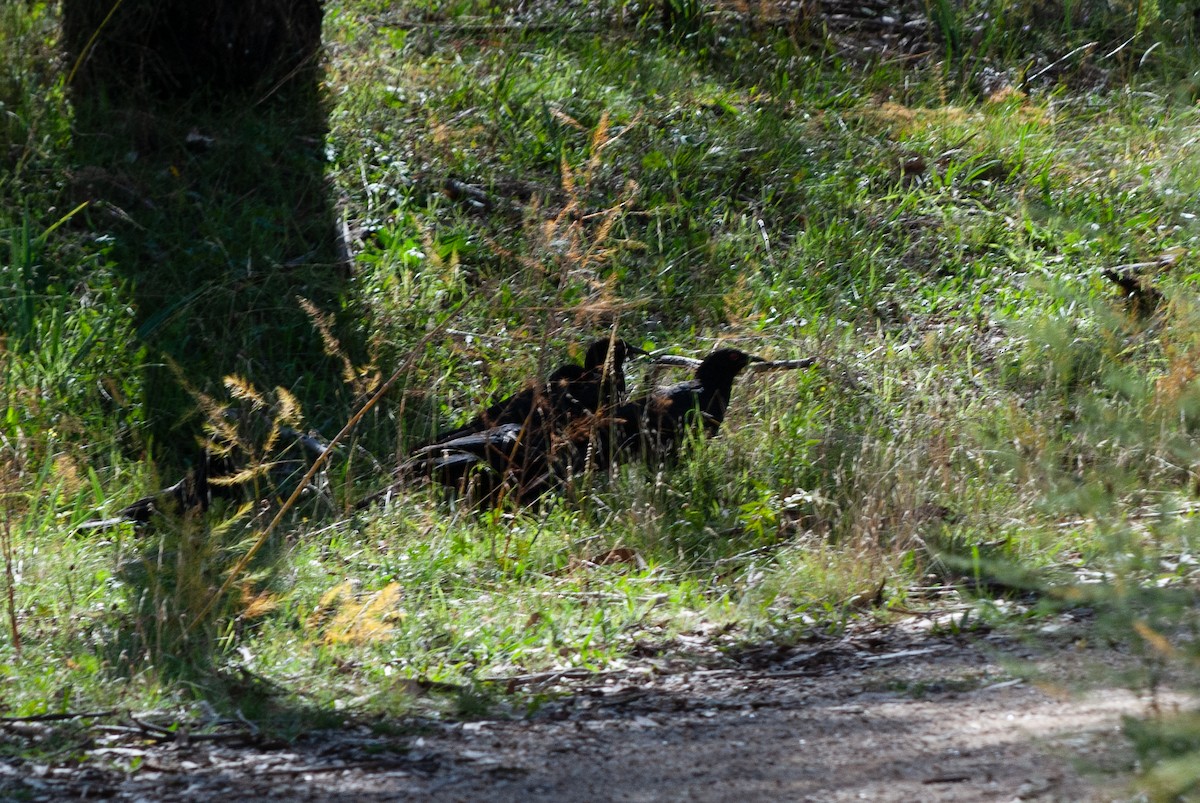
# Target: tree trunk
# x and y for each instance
(180, 47)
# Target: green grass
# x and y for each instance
(986, 411)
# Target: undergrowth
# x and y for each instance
(469, 197)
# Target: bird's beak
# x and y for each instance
(756, 359)
(634, 350)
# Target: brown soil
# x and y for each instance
(895, 714)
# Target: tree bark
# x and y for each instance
(180, 47)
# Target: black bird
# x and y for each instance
(601, 380)
(1140, 295)
(651, 426)
(513, 457)
(520, 461)
(510, 461)
(193, 492)
(666, 414)
(218, 475)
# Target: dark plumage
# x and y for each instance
(598, 441)
(651, 426)
(601, 380)
(508, 461)
(666, 414)
(193, 492)
(1136, 289)
(513, 455)
(218, 476)
(514, 409)
(519, 463)
(578, 423)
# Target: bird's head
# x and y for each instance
(725, 363)
(597, 353)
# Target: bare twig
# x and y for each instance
(152, 728)
(549, 677)
(1054, 64)
(469, 28)
(1163, 260)
(783, 365)
(120, 730)
(59, 717)
(353, 765)
(1120, 47)
(752, 553)
(892, 656)
(679, 361)
(154, 733)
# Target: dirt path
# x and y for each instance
(892, 715)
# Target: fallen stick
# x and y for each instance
(58, 717)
